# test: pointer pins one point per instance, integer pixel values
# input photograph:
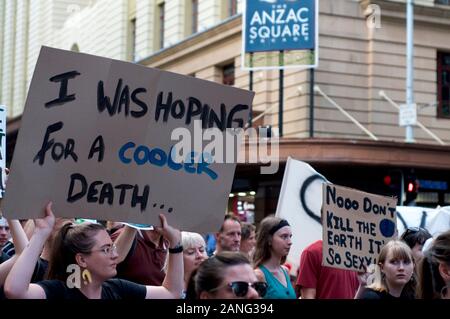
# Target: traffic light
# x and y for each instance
(393, 182)
(411, 188)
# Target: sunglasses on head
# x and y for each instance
(412, 230)
(240, 288)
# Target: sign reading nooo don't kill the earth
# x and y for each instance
(96, 140)
(355, 226)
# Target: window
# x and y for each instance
(443, 80)
(446, 2)
(232, 7)
(161, 25)
(194, 16)
(228, 74)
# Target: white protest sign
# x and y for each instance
(299, 203)
(356, 225)
(435, 220)
(96, 139)
(2, 149)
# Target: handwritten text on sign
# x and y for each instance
(356, 225)
(96, 140)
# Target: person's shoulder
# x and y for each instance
(116, 282)
(55, 289)
(52, 283)
(117, 288)
(121, 283)
(259, 274)
(370, 293)
(313, 249)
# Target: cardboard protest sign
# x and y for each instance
(356, 225)
(2, 149)
(299, 203)
(96, 139)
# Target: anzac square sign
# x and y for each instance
(280, 25)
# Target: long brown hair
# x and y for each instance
(264, 240)
(71, 240)
(430, 280)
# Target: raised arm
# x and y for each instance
(18, 235)
(17, 284)
(20, 242)
(124, 242)
(173, 284)
(5, 267)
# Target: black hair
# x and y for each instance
(415, 235)
(209, 275)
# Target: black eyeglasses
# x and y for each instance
(240, 288)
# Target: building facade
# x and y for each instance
(362, 66)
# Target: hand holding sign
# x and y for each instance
(44, 226)
(173, 235)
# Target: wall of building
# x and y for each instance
(356, 62)
(100, 27)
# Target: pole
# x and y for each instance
(409, 64)
(311, 103)
(280, 95)
(250, 87)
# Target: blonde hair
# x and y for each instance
(399, 250)
(188, 240)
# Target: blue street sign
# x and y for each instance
(275, 25)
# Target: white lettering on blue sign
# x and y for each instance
(285, 25)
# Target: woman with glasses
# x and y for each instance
(434, 270)
(394, 274)
(273, 242)
(83, 263)
(226, 275)
(415, 238)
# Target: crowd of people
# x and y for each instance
(56, 258)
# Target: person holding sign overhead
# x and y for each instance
(394, 273)
(193, 255)
(273, 242)
(141, 255)
(87, 246)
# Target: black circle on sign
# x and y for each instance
(305, 185)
